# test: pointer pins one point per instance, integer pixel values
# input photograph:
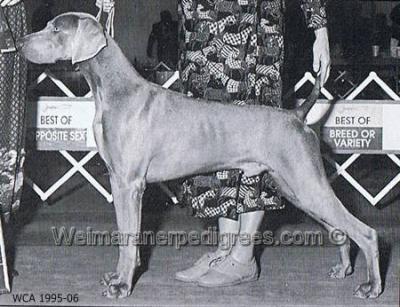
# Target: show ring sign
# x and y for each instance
(357, 126)
(362, 126)
(61, 123)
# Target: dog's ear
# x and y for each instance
(89, 40)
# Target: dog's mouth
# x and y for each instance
(35, 49)
(25, 49)
(36, 56)
(31, 56)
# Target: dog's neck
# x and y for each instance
(109, 71)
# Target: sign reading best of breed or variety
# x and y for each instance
(362, 126)
(359, 126)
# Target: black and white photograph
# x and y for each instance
(200, 153)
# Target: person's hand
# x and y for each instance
(106, 4)
(9, 2)
(322, 58)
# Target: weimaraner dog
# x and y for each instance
(147, 134)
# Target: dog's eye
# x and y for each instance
(55, 29)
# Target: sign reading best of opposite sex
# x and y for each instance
(61, 123)
(357, 126)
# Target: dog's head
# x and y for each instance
(70, 36)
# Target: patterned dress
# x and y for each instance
(12, 115)
(232, 52)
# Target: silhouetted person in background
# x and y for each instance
(165, 34)
(382, 33)
(42, 15)
(395, 17)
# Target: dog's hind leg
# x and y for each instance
(307, 185)
(365, 237)
(128, 205)
(343, 268)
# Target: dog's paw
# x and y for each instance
(107, 277)
(368, 290)
(116, 291)
(115, 286)
(340, 271)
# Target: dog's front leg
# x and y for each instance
(128, 207)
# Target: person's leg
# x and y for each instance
(249, 225)
(228, 230)
(239, 266)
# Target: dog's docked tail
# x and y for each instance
(302, 111)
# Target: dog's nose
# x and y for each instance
(19, 44)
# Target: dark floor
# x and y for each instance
(289, 275)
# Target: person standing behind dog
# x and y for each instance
(232, 51)
(165, 34)
(13, 70)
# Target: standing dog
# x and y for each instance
(147, 134)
